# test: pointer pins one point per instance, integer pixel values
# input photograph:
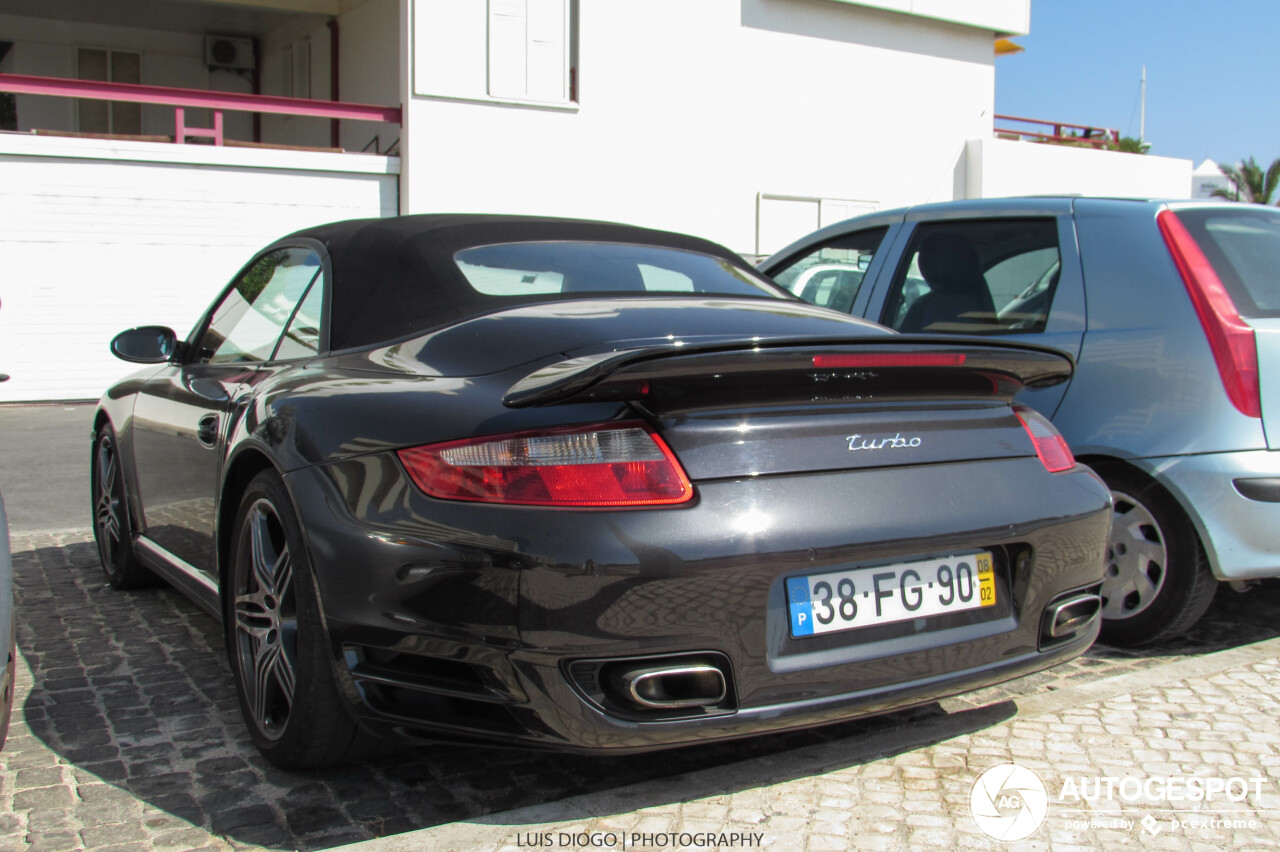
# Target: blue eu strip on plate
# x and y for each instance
(801, 610)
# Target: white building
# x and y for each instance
(749, 122)
(1208, 178)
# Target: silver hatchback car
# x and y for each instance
(1172, 312)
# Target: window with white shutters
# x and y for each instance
(529, 44)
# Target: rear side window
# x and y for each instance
(831, 275)
(996, 276)
(531, 269)
(1244, 248)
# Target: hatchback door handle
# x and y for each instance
(207, 430)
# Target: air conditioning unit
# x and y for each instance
(228, 52)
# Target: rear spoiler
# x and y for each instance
(929, 360)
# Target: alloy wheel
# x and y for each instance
(108, 504)
(266, 619)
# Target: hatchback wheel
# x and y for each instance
(1157, 582)
(275, 640)
(111, 527)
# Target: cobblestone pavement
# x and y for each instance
(1166, 724)
(126, 736)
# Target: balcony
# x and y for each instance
(180, 100)
(1013, 128)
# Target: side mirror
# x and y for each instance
(150, 344)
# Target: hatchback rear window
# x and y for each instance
(1244, 248)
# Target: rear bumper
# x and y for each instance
(465, 622)
(586, 729)
(1227, 497)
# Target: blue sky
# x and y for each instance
(1213, 77)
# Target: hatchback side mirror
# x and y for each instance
(149, 344)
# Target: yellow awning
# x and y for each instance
(1005, 46)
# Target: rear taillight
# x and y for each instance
(1230, 339)
(1050, 446)
(604, 465)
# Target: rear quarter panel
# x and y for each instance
(1146, 384)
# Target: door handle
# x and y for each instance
(207, 430)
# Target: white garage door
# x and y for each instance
(97, 237)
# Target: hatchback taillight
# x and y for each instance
(1050, 446)
(1230, 339)
(603, 465)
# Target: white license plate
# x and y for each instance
(863, 597)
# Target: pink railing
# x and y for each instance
(181, 99)
(1059, 131)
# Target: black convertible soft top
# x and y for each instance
(395, 277)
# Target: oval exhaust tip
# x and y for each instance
(673, 687)
(1072, 615)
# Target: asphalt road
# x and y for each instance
(44, 466)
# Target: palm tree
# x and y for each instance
(1251, 184)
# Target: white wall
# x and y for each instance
(682, 126)
(101, 236)
(1207, 178)
(1003, 167)
(369, 68)
(1006, 17)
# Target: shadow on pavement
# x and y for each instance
(133, 691)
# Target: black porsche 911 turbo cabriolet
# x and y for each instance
(585, 486)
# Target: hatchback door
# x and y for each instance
(1242, 246)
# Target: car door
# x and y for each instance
(183, 413)
(1013, 276)
(1025, 284)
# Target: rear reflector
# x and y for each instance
(1230, 339)
(604, 465)
(891, 359)
(1050, 446)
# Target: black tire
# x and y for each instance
(1157, 583)
(112, 529)
(276, 641)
